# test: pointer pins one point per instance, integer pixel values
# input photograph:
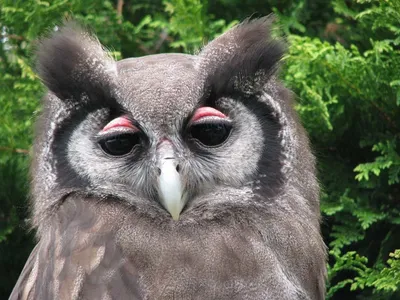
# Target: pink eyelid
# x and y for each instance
(120, 122)
(207, 112)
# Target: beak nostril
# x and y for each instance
(178, 168)
(159, 171)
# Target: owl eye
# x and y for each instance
(119, 137)
(211, 132)
(120, 144)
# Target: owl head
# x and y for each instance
(161, 132)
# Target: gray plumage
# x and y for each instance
(249, 228)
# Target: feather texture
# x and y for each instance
(87, 255)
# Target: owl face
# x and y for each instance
(159, 131)
(163, 139)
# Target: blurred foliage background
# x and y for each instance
(343, 64)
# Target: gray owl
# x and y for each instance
(172, 176)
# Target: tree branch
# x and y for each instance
(15, 150)
(120, 5)
(12, 37)
(163, 37)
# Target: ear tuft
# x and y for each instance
(71, 62)
(243, 58)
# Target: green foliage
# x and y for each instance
(343, 64)
(191, 23)
(389, 159)
(348, 99)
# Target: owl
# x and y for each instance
(171, 176)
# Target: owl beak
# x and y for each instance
(169, 180)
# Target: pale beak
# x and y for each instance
(169, 180)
